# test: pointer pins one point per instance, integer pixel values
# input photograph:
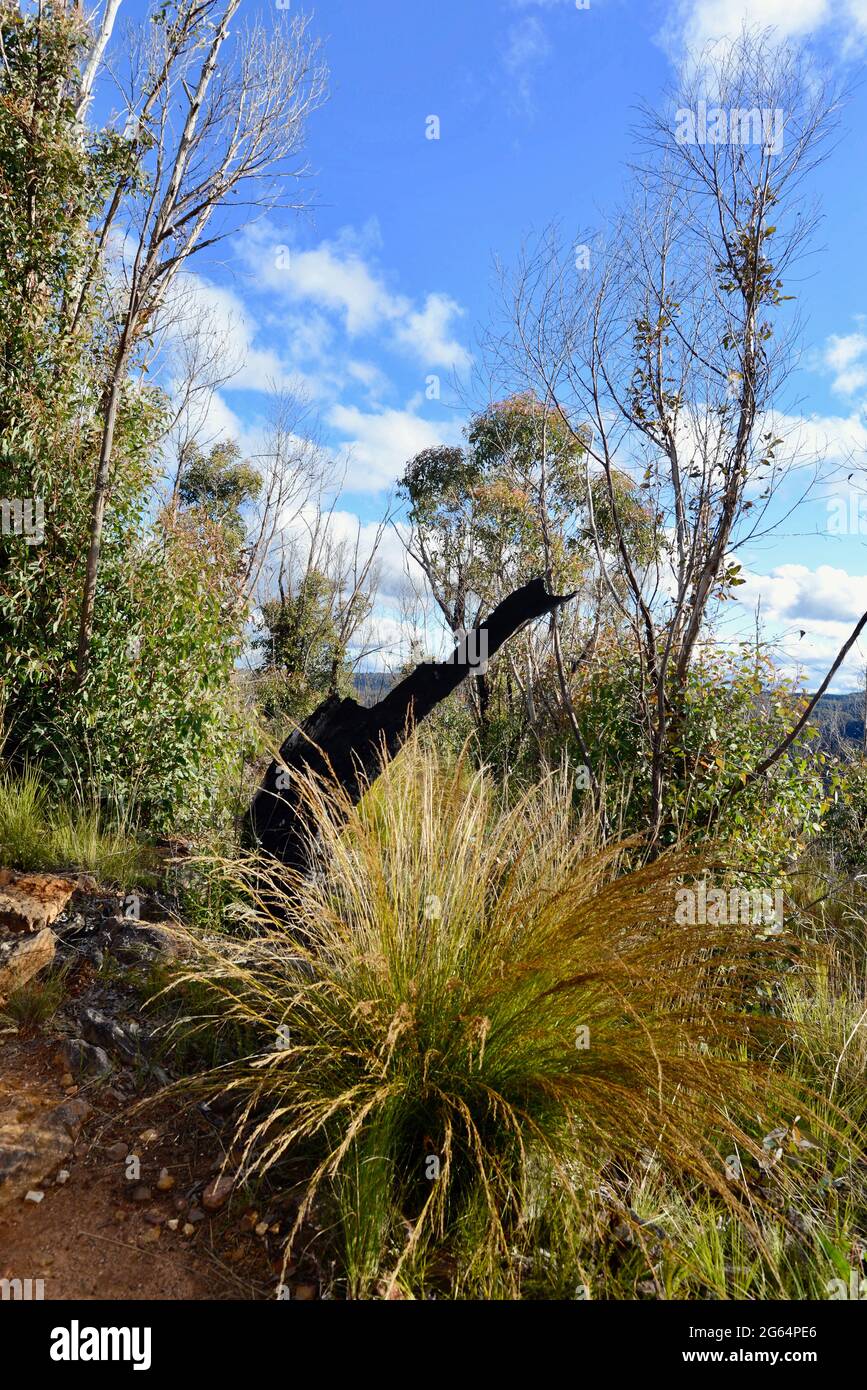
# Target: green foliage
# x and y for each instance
(511, 506)
(35, 1004)
(153, 722)
(735, 709)
(218, 485)
(303, 653)
(844, 831)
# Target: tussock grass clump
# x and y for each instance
(35, 1004)
(79, 834)
(23, 817)
(470, 1011)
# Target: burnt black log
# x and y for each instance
(348, 744)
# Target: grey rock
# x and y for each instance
(141, 942)
(105, 1032)
(83, 1059)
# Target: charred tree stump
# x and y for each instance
(347, 744)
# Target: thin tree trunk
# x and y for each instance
(97, 519)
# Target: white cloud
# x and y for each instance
(369, 375)
(696, 23)
(380, 444)
(808, 439)
(340, 282)
(810, 613)
(704, 21)
(525, 51)
(346, 529)
(794, 593)
(846, 357)
(211, 420)
(231, 327)
(426, 332)
(339, 279)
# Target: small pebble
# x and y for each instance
(165, 1181)
(118, 1150)
(33, 1196)
(149, 1136)
(188, 1229)
(62, 1177)
(262, 1228)
(173, 1223)
(217, 1193)
(150, 1235)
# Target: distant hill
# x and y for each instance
(370, 686)
(840, 718)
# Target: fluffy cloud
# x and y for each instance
(380, 443)
(810, 614)
(794, 593)
(346, 529)
(846, 357)
(242, 360)
(426, 332)
(696, 23)
(340, 278)
(341, 282)
(808, 439)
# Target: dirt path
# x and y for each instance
(101, 1234)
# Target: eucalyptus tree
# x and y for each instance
(665, 348)
(215, 125)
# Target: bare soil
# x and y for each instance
(88, 1238)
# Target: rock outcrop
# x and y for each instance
(31, 902)
(34, 1139)
(22, 957)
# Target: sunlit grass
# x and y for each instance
(35, 1004)
(79, 834)
(470, 1012)
(23, 819)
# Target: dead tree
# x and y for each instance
(347, 745)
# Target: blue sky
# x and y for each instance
(388, 279)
